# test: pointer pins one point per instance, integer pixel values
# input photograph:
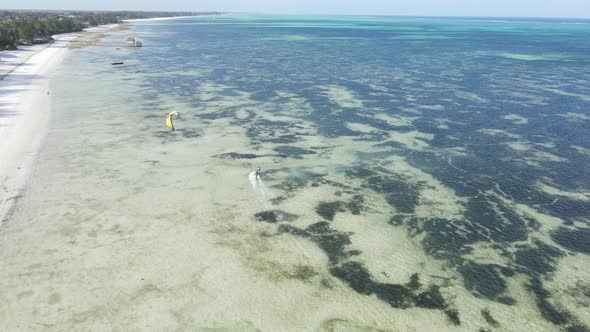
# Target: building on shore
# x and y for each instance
(132, 42)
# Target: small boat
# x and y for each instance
(117, 63)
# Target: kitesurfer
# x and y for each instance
(169, 122)
(258, 173)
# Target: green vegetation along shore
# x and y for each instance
(34, 27)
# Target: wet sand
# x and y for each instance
(25, 109)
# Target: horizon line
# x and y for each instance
(299, 14)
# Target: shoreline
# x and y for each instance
(25, 111)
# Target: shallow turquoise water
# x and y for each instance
(425, 174)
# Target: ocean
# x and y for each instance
(416, 174)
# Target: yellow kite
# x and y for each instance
(169, 122)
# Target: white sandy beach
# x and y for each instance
(25, 108)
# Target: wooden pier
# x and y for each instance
(130, 42)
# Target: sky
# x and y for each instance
(500, 8)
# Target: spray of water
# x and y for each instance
(263, 194)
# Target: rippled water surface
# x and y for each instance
(416, 174)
